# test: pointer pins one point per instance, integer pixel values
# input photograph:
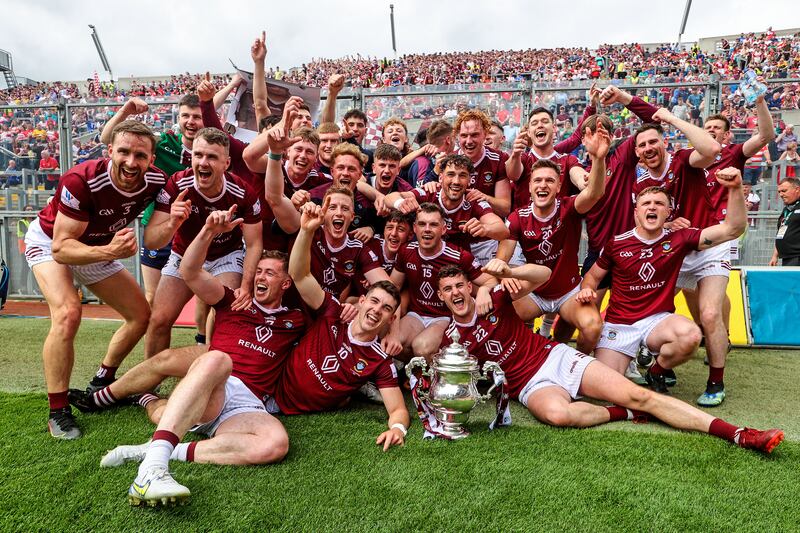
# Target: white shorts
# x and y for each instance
(484, 251)
(626, 338)
(238, 399)
(518, 258)
(233, 262)
(714, 261)
(563, 368)
(428, 320)
(553, 306)
(39, 249)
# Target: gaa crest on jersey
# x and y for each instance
(492, 318)
(68, 199)
(487, 177)
(349, 266)
(666, 247)
(288, 324)
(359, 367)
(163, 197)
(356, 221)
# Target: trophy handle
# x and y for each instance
(498, 374)
(418, 362)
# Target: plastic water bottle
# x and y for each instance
(752, 88)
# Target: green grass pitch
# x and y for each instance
(618, 477)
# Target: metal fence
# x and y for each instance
(76, 123)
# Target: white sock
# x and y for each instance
(158, 454)
(546, 327)
(180, 451)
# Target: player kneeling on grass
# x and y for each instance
(222, 394)
(547, 376)
(644, 265)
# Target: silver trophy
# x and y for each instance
(453, 392)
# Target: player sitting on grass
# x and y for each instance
(645, 263)
(547, 376)
(222, 394)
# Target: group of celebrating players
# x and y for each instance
(328, 265)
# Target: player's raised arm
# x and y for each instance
(597, 144)
(706, 149)
(529, 275)
(736, 215)
(258, 51)
(300, 258)
(134, 106)
(765, 132)
(207, 287)
(335, 85)
(162, 226)
(279, 140)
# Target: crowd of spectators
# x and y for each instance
(25, 134)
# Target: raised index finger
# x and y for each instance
(182, 195)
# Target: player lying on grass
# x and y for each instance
(547, 376)
(222, 393)
(644, 264)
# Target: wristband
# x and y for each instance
(401, 427)
(398, 203)
(275, 157)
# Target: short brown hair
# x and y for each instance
(396, 216)
(214, 136)
(592, 120)
(189, 100)
(307, 135)
(655, 189)
(473, 114)
(457, 161)
(546, 163)
(327, 127)
(451, 271)
(339, 190)
(134, 127)
(430, 207)
(395, 122)
(349, 149)
(645, 127)
(437, 131)
(387, 152)
(721, 117)
(388, 287)
(283, 257)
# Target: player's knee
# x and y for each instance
(711, 315)
(639, 398)
(423, 346)
(140, 320)
(689, 339)
(66, 320)
(271, 448)
(558, 417)
(214, 363)
(592, 327)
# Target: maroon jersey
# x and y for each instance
(521, 189)
(323, 169)
(329, 365)
(644, 273)
(552, 242)
(234, 192)
(686, 184)
(312, 180)
(613, 215)
(490, 169)
(501, 336)
(732, 155)
(375, 251)
(257, 340)
(455, 219)
(335, 268)
(422, 275)
(87, 193)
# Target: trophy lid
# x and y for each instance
(455, 356)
